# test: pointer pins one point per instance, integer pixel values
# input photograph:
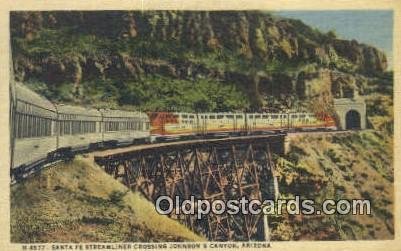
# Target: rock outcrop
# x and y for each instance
(262, 54)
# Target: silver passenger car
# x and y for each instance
(79, 128)
(42, 131)
(34, 127)
(125, 127)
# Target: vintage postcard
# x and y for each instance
(207, 127)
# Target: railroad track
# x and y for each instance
(318, 133)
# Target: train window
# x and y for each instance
(239, 116)
(220, 116)
(192, 116)
(230, 116)
(28, 126)
(294, 116)
(265, 116)
(80, 127)
(19, 125)
(76, 127)
(184, 116)
(274, 116)
(284, 116)
(36, 125)
(87, 127)
(302, 116)
(61, 127)
(92, 127)
(67, 127)
(112, 126)
(16, 126)
(23, 126)
(257, 116)
(212, 117)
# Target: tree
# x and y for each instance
(331, 35)
(201, 105)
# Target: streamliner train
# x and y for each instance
(43, 131)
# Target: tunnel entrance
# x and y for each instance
(351, 113)
(353, 120)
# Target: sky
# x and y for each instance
(370, 27)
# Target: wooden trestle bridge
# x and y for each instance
(226, 168)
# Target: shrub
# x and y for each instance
(116, 197)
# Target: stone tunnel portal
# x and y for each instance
(353, 120)
(351, 113)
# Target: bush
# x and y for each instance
(116, 197)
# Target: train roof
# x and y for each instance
(78, 110)
(122, 114)
(222, 113)
(28, 97)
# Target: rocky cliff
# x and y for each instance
(219, 60)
